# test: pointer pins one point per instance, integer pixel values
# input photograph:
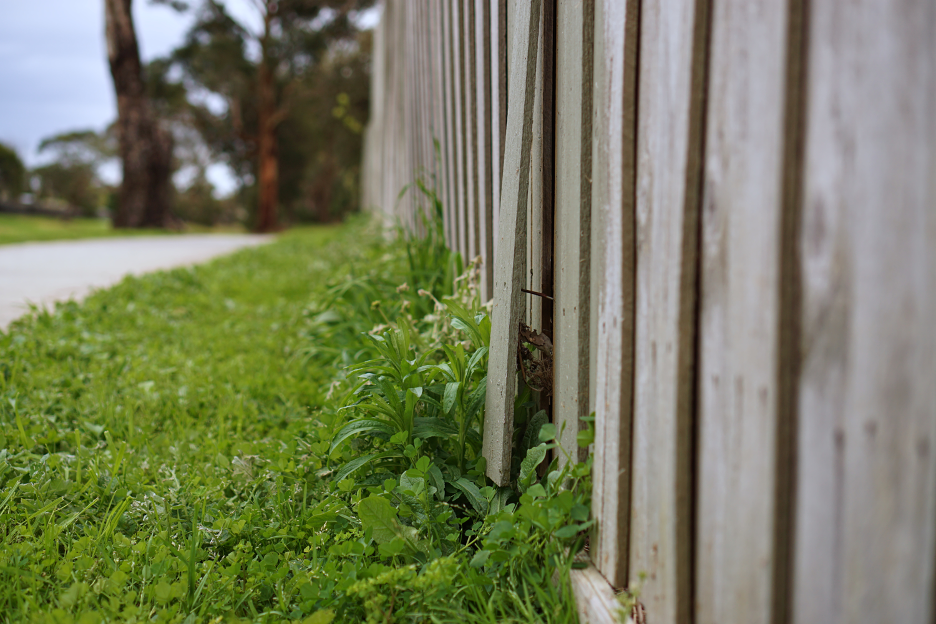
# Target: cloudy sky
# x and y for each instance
(53, 67)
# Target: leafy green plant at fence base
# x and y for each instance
(190, 446)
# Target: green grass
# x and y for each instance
(28, 228)
(164, 457)
(167, 401)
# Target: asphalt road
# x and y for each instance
(42, 273)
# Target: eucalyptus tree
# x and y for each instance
(145, 147)
(256, 70)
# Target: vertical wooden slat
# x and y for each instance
(394, 154)
(409, 115)
(434, 27)
(534, 276)
(498, 69)
(419, 92)
(458, 110)
(466, 73)
(671, 88)
(574, 83)
(448, 148)
(429, 121)
(612, 276)
(484, 163)
(470, 73)
(866, 489)
(511, 251)
(737, 568)
(423, 79)
(548, 174)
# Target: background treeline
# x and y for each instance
(290, 97)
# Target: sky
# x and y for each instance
(54, 75)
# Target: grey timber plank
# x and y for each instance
(534, 278)
(739, 572)
(407, 202)
(669, 141)
(574, 83)
(510, 264)
(498, 115)
(461, 187)
(612, 274)
(470, 112)
(866, 470)
(482, 29)
(448, 148)
(548, 176)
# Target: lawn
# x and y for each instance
(191, 446)
(27, 228)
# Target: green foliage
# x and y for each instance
(12, 173)
(315, 95)
(72, 176)
(174, 451)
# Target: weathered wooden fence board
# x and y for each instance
(498, 119)
(461, 190)
(534, 274)
(410, 136)
(740, 255)
(469, 121)
(672, 61)
(510, 266)
(484, 165)
(867, 465)
(612, 276)
(440, 131)
(574, 70)
(448, 148)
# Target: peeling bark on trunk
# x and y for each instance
(145, 149)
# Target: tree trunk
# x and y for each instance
(157, 213)
(145, 149)
(268, 158)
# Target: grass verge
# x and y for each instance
(170, 453)
(30, 228)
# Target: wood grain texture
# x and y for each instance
(574, 69)
(534, 276)
(595, 599)
(866, 489)
(410, 137)
(439, 116)
(671, 89)
(470, 112)
(461, 190)
(448, 148)
(510, 267)
(739, 339)
(395, 146)
(484, 166)
(498, 115)
(612, 275)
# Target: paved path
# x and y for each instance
(42, 273)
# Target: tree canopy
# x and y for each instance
(258, 90)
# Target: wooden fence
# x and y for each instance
(729, 207)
